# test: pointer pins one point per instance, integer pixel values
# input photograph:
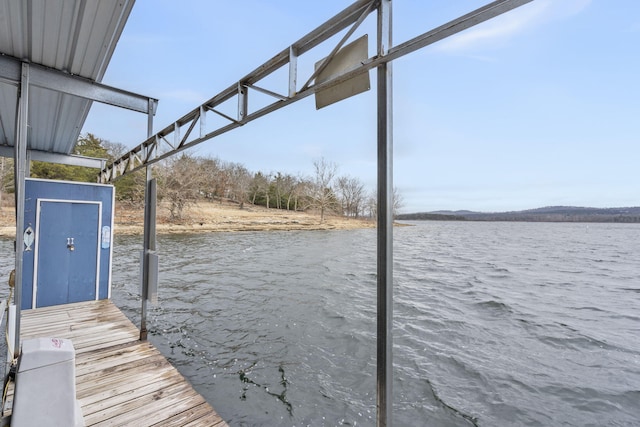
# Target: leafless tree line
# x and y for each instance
(186, 179)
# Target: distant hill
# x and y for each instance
(546, 214)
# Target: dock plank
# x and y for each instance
(120, 381)
(196, 414)
(134, 411)
(100, 399)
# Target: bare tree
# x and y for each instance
(372, 203)
(267, 188)
(322, 196)
(114, 149)
(289, 183)
(300, 192)
(211, 185)
(351, 192)
(259, 189)
(398, 201)
(180, 183)
(278, 185)
(223, 181)
(240, 183)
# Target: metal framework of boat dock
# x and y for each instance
(113, 356)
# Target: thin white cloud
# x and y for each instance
(496, 32)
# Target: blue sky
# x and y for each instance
(538, 107)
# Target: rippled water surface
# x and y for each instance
(495, 324)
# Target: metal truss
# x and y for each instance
(180, 135)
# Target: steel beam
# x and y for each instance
(384, 335)
(293, 71)
(48, 78)
(455, 26)
(69, 159)
(243, 101)
(239, 90)
(62, 159)
(20, 166)
(339, 46)
(137, 159)
(149, 238)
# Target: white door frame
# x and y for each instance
(37, 241)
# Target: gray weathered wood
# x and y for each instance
(120, 381)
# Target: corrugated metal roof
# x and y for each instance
(72, 36)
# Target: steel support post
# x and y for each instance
(293, 72)
(149, 243)
(144, 293)
(243, 101)
(384, 367)
(21, 166)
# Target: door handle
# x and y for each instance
(70, 244)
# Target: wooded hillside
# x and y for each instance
(184, 180)
(546, 214)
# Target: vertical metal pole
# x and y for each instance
(384, 400)
(243, 101)
(149, 243)
(293, 71)
(20, 165)
(203, 122)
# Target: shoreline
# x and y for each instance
(211, 217)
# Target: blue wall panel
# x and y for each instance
(67, 191)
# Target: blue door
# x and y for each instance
(67, 252)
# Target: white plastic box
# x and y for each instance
(45, 393)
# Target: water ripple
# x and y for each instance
(494, 323)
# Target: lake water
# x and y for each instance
(495, 324)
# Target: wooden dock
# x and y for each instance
(120, 381)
